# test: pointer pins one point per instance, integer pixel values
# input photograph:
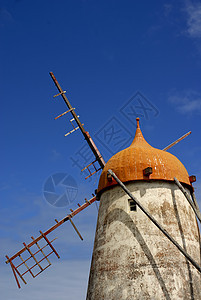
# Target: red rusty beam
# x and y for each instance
(15, 270)
(80, 125)
(177, 141)
(44, 236)
(75, 212)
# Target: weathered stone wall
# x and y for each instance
(132, 259)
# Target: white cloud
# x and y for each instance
(186, 102)
(193, 11)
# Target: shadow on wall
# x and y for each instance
(128, 222)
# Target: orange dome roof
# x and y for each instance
(129, 164)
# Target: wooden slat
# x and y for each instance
(76, 229)
(49, 243)
(41, 250)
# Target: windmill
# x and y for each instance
(124, 179)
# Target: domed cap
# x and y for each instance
(130, 164)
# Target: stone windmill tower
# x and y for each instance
(147, 243)
(132, 259)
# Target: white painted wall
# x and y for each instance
(132, 259)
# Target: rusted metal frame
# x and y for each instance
(188, 257)
(44, 236)
(196, 211)
(34, 253)
(64, 113)
(84, 132)
(177, 141)
(15, 270)
(95, 150)
(71, 131)
(63, 92)
(92, 163)
(41, 249)
(28, 268)
(67, 102)
(75, 229)
(91, 174)
(18, 284)
(83, 206)
(71, 121)
(37, 264)
(42, 269)
(87, 167)
(75, 212)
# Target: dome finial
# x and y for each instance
(138, 122)
(139, 139)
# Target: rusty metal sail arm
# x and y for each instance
(86, 134)
(177, 141)
(43, 235)
(75, 212)
(188, 257)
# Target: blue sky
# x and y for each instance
(108, 56)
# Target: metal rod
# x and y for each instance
(197, 212)
(91, 173)
(177, 141)
(194, 263)
(75, 128)
(76, 229)
(59, 94)
(64, 113)
(67, 102)
(194, 200)
(84, 132)
(49, 243)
